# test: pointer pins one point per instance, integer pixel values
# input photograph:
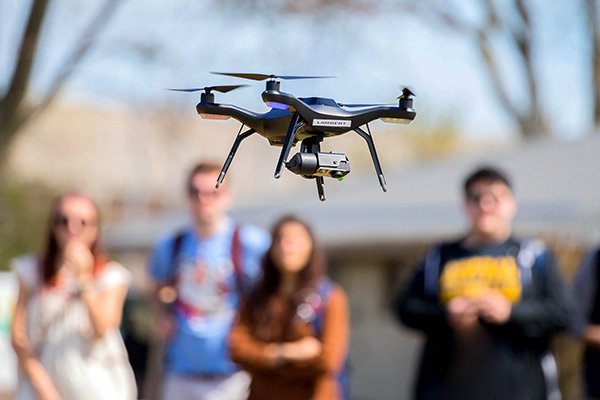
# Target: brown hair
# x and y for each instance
(48, 260)
(485, 174)
(259, 305)
(201, 168)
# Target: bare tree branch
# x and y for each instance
(538, 126)
(79, 52)
(594, 34)
(530, 120)
(484, 38)
(442, 17)
(17, 89)
(14, 111)
(494, 75)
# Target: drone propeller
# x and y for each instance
(407, 91)
(262, 77)
(208, 89)
(405, 100)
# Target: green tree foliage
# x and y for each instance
(23, 219)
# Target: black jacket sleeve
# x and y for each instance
(417, 309)
(545, 306)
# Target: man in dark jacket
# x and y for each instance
(587, 325)
(488, 305)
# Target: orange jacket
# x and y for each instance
(313, 379)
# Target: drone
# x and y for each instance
(308, 120)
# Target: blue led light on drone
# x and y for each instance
(276, 105)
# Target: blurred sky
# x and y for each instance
(150, 45)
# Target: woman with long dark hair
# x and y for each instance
(291, 334)
(65, 328)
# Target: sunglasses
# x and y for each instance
(195, 192)
(63, 221)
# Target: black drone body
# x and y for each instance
(308, 120)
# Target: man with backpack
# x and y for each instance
(488, 305)
(200, 274)
(587, 322)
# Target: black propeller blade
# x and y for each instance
(208, 89)
(262, 77)
(407, 91)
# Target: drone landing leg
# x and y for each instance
(369, 139)
(321, 187)
(287, 145)
(236, 144)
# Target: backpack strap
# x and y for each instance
(236, 257)
(237, 260)
(175, 251)
(532, 255)
(431, 270)
(597, 276)
(529, 257)
(324, 289)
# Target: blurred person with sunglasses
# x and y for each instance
(488, 305)
(65, 328)
(200, 274)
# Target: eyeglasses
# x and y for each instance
(64, 221)
(195, 192)
(477, 198)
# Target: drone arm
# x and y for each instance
(383, 112)
(248, 118)
(287, 145)
(285, 99)
(369, 139)
(236, 144)
(358, 118)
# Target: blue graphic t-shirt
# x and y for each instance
(207, 294)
